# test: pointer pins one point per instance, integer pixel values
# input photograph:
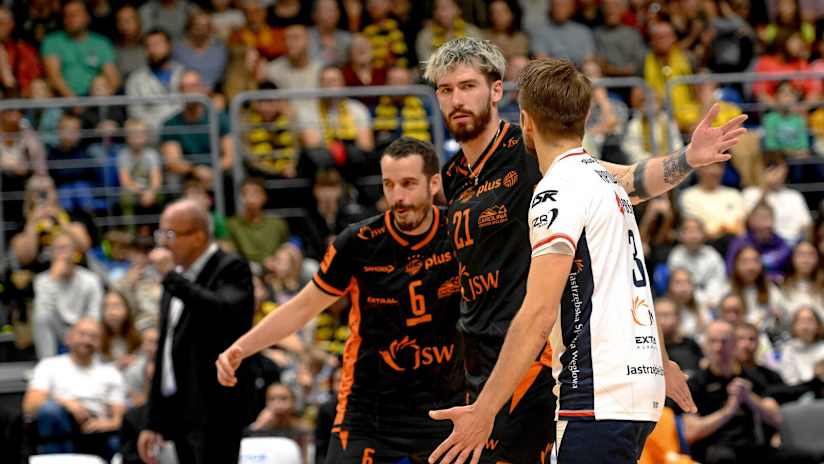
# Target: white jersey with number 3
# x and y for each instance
(606, 354)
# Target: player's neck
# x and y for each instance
(473, 149)
(422, 228)
(549, 151)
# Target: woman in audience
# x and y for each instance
(804, 285)
(806, 349)
(763, 301)
(130, 53)
(280, 417)
(775, 252)
(120, 341)
(284, 276)
(681, 347)
(359, 69)
(692, 313)
(505, 21)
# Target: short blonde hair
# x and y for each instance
(481, 54)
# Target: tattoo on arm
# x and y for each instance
(639, 185)
(676, 167)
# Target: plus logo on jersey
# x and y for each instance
(406, 354)
(642, 313)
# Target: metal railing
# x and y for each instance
(28, 105)
(241, 101)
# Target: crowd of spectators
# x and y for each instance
(736, 255)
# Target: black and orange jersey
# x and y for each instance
(403, 353)
(487, 220)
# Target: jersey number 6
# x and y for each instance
(418, 303)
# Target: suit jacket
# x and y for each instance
(218, 309)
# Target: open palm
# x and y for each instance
(710, 144)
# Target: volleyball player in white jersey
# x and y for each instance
(587, 291)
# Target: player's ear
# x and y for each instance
(435, 184)
(497, 91)
(526, 122)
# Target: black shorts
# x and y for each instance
(386, 439)
(612, 441)
(525, 433)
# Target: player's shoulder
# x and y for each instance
(368, 230)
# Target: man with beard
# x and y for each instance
(489, 185)
(161, 76)
(402, 356)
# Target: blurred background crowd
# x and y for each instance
(84, 180)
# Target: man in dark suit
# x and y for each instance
(208, 301)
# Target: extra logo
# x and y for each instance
(368, 233)
(642, 313)
(493, 216)
(544, 196)
(381, 301)
(406, 354)
(545, 220)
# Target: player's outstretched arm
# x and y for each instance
(526, 336)
(652, 177)
(284, 321)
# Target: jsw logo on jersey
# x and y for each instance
(473, 287)
(406, 354)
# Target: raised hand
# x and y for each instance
(709, 144)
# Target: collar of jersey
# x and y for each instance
(503, 128)
(577, 151)
(427, 237)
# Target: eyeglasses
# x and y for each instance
(169, 235)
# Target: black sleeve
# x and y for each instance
(337, 269)
(231, 291)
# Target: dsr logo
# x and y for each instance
(408, 353)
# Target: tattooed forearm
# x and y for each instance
(676, 167)
(639, 183)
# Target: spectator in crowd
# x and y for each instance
(402, 115)
(45, 220)
(121, 340)
(102, 16)
(589, 13)
(135, 420)
(325, 420)
(37, 19)
(255, 235)
(705, 264)
(135, 374)
(389, 43)
(272, 139)
(804, 285)
(201, 50)
(19, 62)
(206, 303)
(263, 300)
(256, 34)
(607, 116)
(657, 229)
(446, 25)
(666, 60)
(110, 260)
(636, 143)
(71, 165)
(297, 69)
(690, 19)
(620, 48)
(731, 309)
(787, 19)
(359, 69)
(785, 127)
(226, 18)
(681, 345)
(219, 229)
(789, 55)
(74, 56)
(800, 355)
(185, 138)
(327, 43)
(285, 12)
(341, 125)
(78, 401)
(280, 417)
(329, 212)
(129, 42)
(105, 119)
(732, 409)
(505, 28)
(763, 300)
(692, 312)
(792, 216)
(721, 209)
(749, 343)
(760, 234)
(139, 170)
(561, 37)
(729, 40)
(167, 15)
(285, 277)
(21, 155)
(63, 295)
(160, 77)
(141, 284)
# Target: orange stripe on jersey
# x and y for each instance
(391, 228)
(476, 171)
(552, 238)
(432, 230)
(581, 413)
(546, 356)
(526, 382)
(326, 287)
(350, 353)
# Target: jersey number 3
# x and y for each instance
(418, 303)
(639, 265)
